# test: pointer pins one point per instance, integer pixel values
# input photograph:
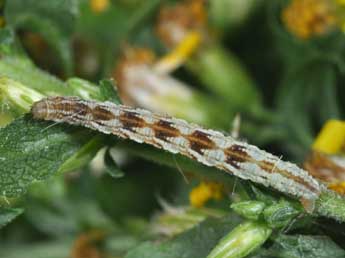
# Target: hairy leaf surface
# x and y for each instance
(35, 150)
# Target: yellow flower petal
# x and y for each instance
(204, 192)
(99, 5)
(338, 187)
(178, 55)
(331, 138)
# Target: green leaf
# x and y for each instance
(35, 150)
(9, 214)
(54, 20)
(303, 246)
(83, 88)
(298, 101)
(67, 215)
(83, 155)
(51, 249)
(111, 166)
(177, 161)
(109, 92)
(24, 71)
(98, 28)
(8, 44)
(197, 242)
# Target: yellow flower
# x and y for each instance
(204, 192)
(331, 138)
(99, 6)
(307, 18)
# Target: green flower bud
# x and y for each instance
(241, 241)
(280, 214)
(16, 97)
(175, 220)
(249, 209)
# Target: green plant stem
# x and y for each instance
(332, 205)
(84, 155)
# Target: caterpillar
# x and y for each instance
(208, 147)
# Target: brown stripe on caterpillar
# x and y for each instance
(164, 130)
(236, 154)
(200, 141)
(238, 151)
(78, 108)
(100, 113)
(131, 120)
(234, 161)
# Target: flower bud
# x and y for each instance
(16, 97)
(241, 241)
(249, 209)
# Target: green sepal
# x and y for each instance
(249, 209)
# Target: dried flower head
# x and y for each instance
(133, 60)
(175, 22)
(141, 83)
(326, 162)
(327, 168)
(84, 245)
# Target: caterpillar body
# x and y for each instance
(174, 135)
